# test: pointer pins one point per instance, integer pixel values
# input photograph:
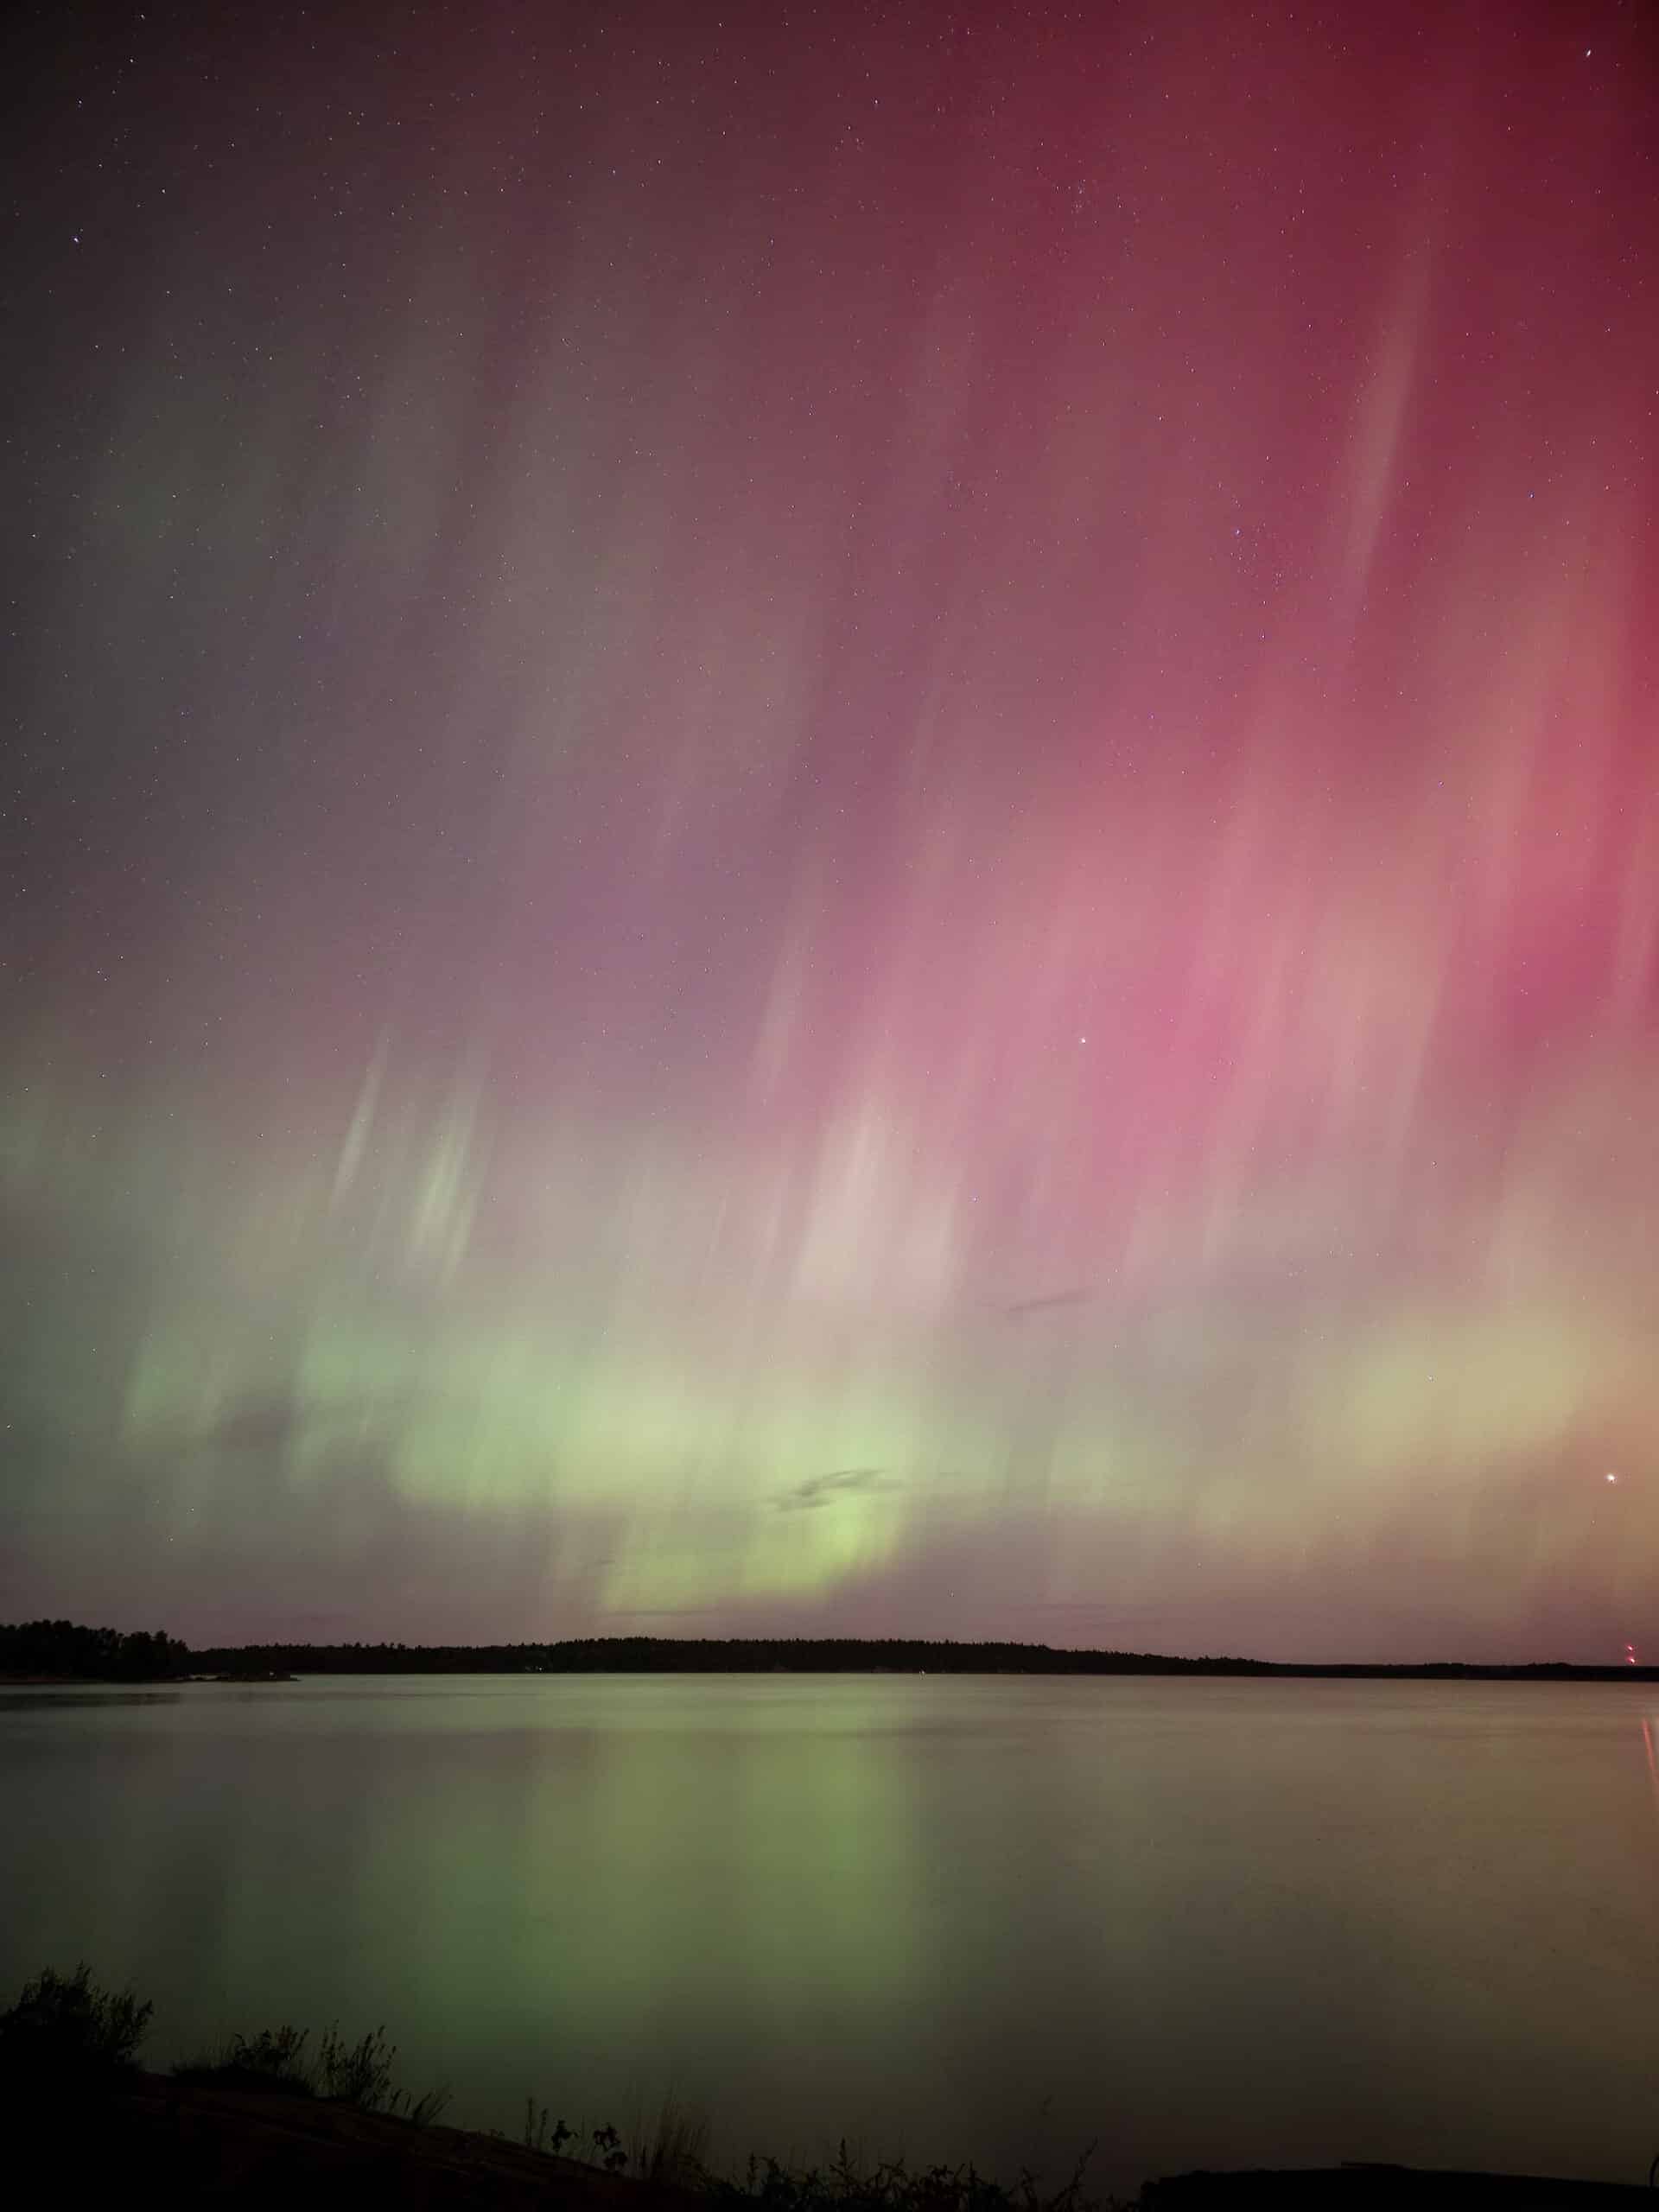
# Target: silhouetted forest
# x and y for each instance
(657, 1655)
(61, 1649)
(95, 1655)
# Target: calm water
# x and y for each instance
(1203, 1922)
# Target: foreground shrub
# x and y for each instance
(66, 2037)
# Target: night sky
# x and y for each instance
(834, 820)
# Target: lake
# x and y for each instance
(1198, 1922)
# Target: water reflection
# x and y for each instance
(55, 1699)
(1222, 1923)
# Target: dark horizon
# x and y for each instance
(949, 1651)
(62, 1641)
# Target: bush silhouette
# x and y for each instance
(66, 2037)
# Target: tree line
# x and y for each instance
(65, 1650)
(756, 1654)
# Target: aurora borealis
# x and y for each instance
(834, 821)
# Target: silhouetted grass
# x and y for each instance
(845, 2186)
(274, 2059)
(353, 2074)
(670, 2151)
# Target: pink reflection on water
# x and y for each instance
(1653, 1764)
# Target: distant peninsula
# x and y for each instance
(62, 1651)
(655, 1654)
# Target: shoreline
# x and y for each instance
(268, 2117)
(1251, 1670)
(186, 2142)
(46, 1654)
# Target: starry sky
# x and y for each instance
(834, 820)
